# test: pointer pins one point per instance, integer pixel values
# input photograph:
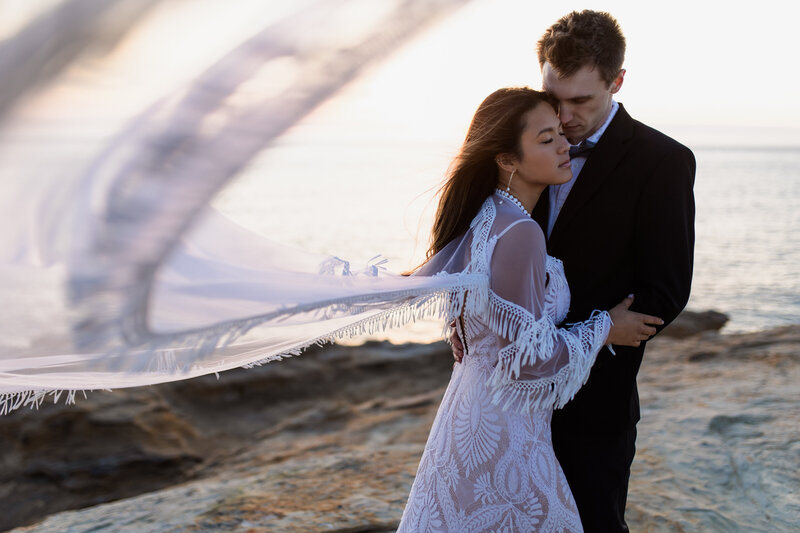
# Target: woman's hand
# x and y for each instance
(630, 328)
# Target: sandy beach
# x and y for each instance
(330, 441)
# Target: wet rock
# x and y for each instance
(718, 440)
(293, 496)
(691, 323)
(113, 445)
(717, 447)
(68, 456)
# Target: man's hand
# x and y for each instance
(455, 343)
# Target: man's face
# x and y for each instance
(584, 99)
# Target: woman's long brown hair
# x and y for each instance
(496, 129)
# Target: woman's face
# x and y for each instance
(544, 158)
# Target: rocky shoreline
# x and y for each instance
(330, 441)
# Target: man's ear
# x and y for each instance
(507, 162)
(616, 85)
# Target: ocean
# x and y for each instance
(747, 261)
(359, 198)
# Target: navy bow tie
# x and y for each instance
(582, 149)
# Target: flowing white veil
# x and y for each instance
(123, 276)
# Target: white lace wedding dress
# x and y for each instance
(489, 463)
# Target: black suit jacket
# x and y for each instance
(627, 226)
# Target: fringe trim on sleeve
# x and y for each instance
(535, 341)
(531, 339)
(582, 355)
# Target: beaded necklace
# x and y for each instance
(513, 199)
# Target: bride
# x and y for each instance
(138, 305)
(489, 463)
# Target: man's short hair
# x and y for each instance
(587, 37)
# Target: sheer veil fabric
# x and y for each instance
(121, 275)
(227, 298)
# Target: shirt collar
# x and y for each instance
(595, 137)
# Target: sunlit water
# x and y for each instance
(330, 197)
(357, 198)
(747, 261)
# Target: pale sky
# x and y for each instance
(692, 63)
(688, 61)
(687, 65)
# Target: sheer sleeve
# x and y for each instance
(539, 365)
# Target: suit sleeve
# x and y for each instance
(664, 237)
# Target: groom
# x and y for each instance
(623, 225)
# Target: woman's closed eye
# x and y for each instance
(550, 139)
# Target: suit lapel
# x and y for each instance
(599, 166)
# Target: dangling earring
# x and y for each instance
(508, 187)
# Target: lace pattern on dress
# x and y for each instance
(489, 463)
